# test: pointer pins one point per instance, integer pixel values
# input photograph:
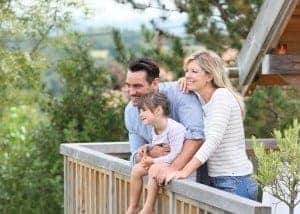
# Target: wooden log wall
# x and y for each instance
(291, 34)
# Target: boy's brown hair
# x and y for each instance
(154, 100)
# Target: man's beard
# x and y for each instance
(135, 99)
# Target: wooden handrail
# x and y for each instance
(96, 182)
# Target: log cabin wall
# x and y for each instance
(291, 34)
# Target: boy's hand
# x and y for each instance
(147, 162)
(142, 150)
(159, 150)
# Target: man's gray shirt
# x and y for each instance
(185, 108)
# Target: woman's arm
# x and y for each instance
(216, 126)
(220, 115)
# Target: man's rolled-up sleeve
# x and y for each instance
(135, 140)
(190, 114)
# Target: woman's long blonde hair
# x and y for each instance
(212, 64)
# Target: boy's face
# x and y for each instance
(147, 116)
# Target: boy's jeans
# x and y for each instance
(244, 186)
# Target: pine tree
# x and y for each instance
(218, 24)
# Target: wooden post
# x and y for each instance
(111, 191)
(172, 206)
(66, 182)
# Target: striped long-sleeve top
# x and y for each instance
(224, 146)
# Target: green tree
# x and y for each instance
(279, 170)
(33, 120)
(87, 105)
(29, 182)
(217, 24)
(269, 108)
(167, 51)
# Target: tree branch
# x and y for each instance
(44, 34)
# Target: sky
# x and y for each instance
(109, 13)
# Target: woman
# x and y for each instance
(229, 168)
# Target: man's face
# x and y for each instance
(137, 85)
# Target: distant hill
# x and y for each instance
(101, 39)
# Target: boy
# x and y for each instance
(154, 110)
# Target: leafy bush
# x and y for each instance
(279, 170)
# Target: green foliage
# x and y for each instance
(87, 110)
(216, 24)
(122, 54)
(156, 47)
(269, 108)
(87, 106)
(18, 75)
(33, 120)
(26, 178)
(279, 170)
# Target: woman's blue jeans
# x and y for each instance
(244, 186)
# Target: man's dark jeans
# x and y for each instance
(202, 175)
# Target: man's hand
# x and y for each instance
(159, 150)
(175, 174)
(160, 172)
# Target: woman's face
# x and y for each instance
(196, 79)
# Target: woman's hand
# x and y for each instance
(182, 84)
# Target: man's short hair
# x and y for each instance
(147, 65)
(154, 100)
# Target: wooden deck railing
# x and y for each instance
(96, 180)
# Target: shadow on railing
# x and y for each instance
(96, 180)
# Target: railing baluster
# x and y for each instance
(86, 189)
(125, 194)
(66, 178)
(94, 192)
(172, 206)
(77, 189)
(102, 195)
(112, 194)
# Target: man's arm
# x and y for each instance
(190, 114)
(189, 149)
(135, 140)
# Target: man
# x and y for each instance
(142, 78)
